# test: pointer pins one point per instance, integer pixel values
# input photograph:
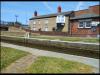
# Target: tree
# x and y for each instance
(18, 23)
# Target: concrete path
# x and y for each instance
(86, 60)
(20, 65)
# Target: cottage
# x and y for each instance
(74, 23)
(51, 22)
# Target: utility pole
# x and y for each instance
(16, 17)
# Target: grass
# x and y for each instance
(9, 55)
(57, 65)
(63, 38)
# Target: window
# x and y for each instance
(34, 28)
(39, 21)
(85, 24)
(88, 24)
(34, 25)
(34, 22)
(46, 21)
(81, 24)
(46, 27)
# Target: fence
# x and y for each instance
(48, 32)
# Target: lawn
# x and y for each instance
(74, 39)
(62, 38)
(9, 55)
(57, 65)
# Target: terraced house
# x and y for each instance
(74, 23)
(51, 22)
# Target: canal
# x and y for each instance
(73, 51)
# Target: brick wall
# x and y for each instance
(75, 31)
(91, 9)
(80, 12)
(15, 29)
(50, 33)
(95, 9)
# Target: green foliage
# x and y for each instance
(18, 23)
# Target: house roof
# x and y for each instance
(51, 15)
(85, 16)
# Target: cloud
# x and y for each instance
(47, 6)
(79, 5)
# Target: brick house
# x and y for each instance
(84, 22)
(75, 23)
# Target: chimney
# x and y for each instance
(59, 9)
(35, 13)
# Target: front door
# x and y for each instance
(46, 29)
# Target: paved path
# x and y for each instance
(19, 65)
(86, 60)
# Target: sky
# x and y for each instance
(25, 9)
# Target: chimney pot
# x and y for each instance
(59, 9)
(35, 13)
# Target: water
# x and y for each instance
(74, 51)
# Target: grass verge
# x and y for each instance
(57, 65)
(9, 55)
(73, 39)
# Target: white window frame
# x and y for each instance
(86, 23)
(39, 21)
(34, 29)
(34, 22)
(46, 26)
(34, 25)
(46, 21)
(79, 25)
